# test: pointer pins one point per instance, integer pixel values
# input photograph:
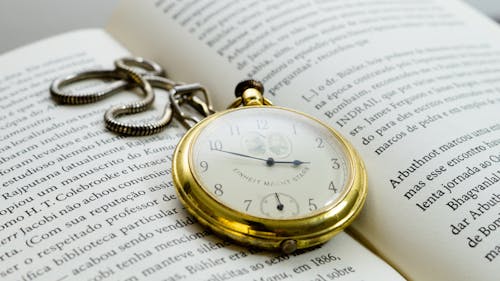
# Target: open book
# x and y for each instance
(414, 86)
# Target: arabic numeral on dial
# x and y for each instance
(218, 189)
(262, 124)
(331, 186)
(247, 204)
(204, 166)
(215, 144)
(312, 205)
(335, 163)
(319, 142)
(234, 130)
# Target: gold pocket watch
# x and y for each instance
(268, 176)
(262, 175)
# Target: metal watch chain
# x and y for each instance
(145, 75)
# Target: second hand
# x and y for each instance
(280, 205)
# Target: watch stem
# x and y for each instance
(288, 246)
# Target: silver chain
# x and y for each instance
(143, 74)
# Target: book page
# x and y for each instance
(81, 203)
(414, 85)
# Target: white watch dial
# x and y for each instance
(270, 162)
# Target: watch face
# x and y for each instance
(270, 162)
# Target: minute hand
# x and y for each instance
(269, 161)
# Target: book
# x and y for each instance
(413, 85)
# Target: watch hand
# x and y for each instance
(280, 206)
(294, 162)
(269, 161)
(243, 155)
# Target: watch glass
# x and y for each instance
(270, 162)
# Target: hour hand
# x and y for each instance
(294, 162)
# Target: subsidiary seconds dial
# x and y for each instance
(270, 162)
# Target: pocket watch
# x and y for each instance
(262, 175)
(268, 176)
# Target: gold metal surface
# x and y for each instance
(274, 234)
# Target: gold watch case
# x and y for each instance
(286, 235)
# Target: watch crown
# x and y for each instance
(248, 84)
(249, 93)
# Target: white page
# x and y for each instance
(403, 80)
(82, 203)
